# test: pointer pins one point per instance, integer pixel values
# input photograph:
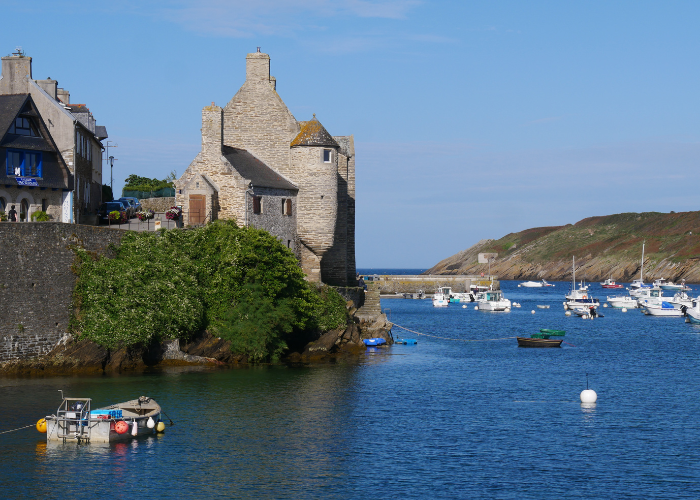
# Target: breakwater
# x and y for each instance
(406, 283)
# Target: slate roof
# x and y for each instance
(10, 106)
(256, 171)
(101, 132)
(313, 134)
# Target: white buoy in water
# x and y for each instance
(464, 306)
(589, 396)
(151, 423)
(605, 305)
(135, 428)
(624, 309)
(567, 313)
(532, 312)
(507, 309)
(476, 308)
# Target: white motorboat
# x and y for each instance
(662, 309)
(441, 298)
(693, 313)
(623, 301)
(669, 285)
(579, 298)
(493, 300)
(458, 297)
(534, 284)
(656, 296)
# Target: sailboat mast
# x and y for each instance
(641, 271)
(573, 276)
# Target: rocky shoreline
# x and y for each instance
(84, 357)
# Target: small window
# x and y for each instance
(20, 163)
(257, 204)
(23, 126)
(44, 204)
(289, 243)
(196, 185)
(289, 206)
(327, 156)
(284, 206)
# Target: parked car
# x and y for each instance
(110, 206)
(136, 202)
(129, 205)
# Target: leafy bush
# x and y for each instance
(40, 216)
(3, 216)
(241, 281)
(330, 311)
(116, 216)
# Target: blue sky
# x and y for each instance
(471, 119)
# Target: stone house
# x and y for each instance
(263, 168)
(33, 174)
(73, 129)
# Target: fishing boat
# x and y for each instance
(669, 285)
(656, 296)
(76, 421)
(622, 301)
(663, 309)
(458, 297)
(441, 298)
(579, 298)
(587, 312)
(610, 283)
(492, 300)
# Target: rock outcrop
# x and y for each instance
(604, 247)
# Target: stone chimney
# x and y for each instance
(212, 131)
(15, 69)
(257, 67)
(63, 95)
(50, 86)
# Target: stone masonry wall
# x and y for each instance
(281, 226)
(36, 282)
(158, 204)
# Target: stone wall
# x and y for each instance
(271, 217)
(158, 204)
(388, 284)
(36, 282)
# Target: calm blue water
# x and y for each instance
(443, 419)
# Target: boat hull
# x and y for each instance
(693, 316)
(488, 305)
(662, 311)
(528, 342)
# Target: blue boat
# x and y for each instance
(374, 342)
(407, 341)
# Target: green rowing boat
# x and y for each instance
(552, 332)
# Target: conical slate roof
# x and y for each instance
(313, 134)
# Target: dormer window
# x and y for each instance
(23, 126)
(327, 155)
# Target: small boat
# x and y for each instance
(492, 300)
(458, 297)
(609, 283)
(538, 342)
(374, 342)
(578, 298)
(76, 421)
(638, 287)
(543, 306)
(406, 341)
(623, 301)
(534, 284)
(663, 309)
(587, 312)
(692, 314)
(441, 298)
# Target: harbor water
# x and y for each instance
(470, 417)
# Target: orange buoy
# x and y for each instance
(121, 427)
(41, 425)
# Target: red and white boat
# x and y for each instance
(609, 283)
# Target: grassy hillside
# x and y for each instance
(603, 246)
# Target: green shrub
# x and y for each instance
(330, 311)
(3, 215)
(40, 216)
(174, 283)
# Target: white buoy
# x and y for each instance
(567, 313)
(624, 309)
(464, 306)
(605, 305)
(589, 396)
(507, 309)
(151, 423)
(135, 429)
(476, 308)
(532, 312)
(585, 316)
